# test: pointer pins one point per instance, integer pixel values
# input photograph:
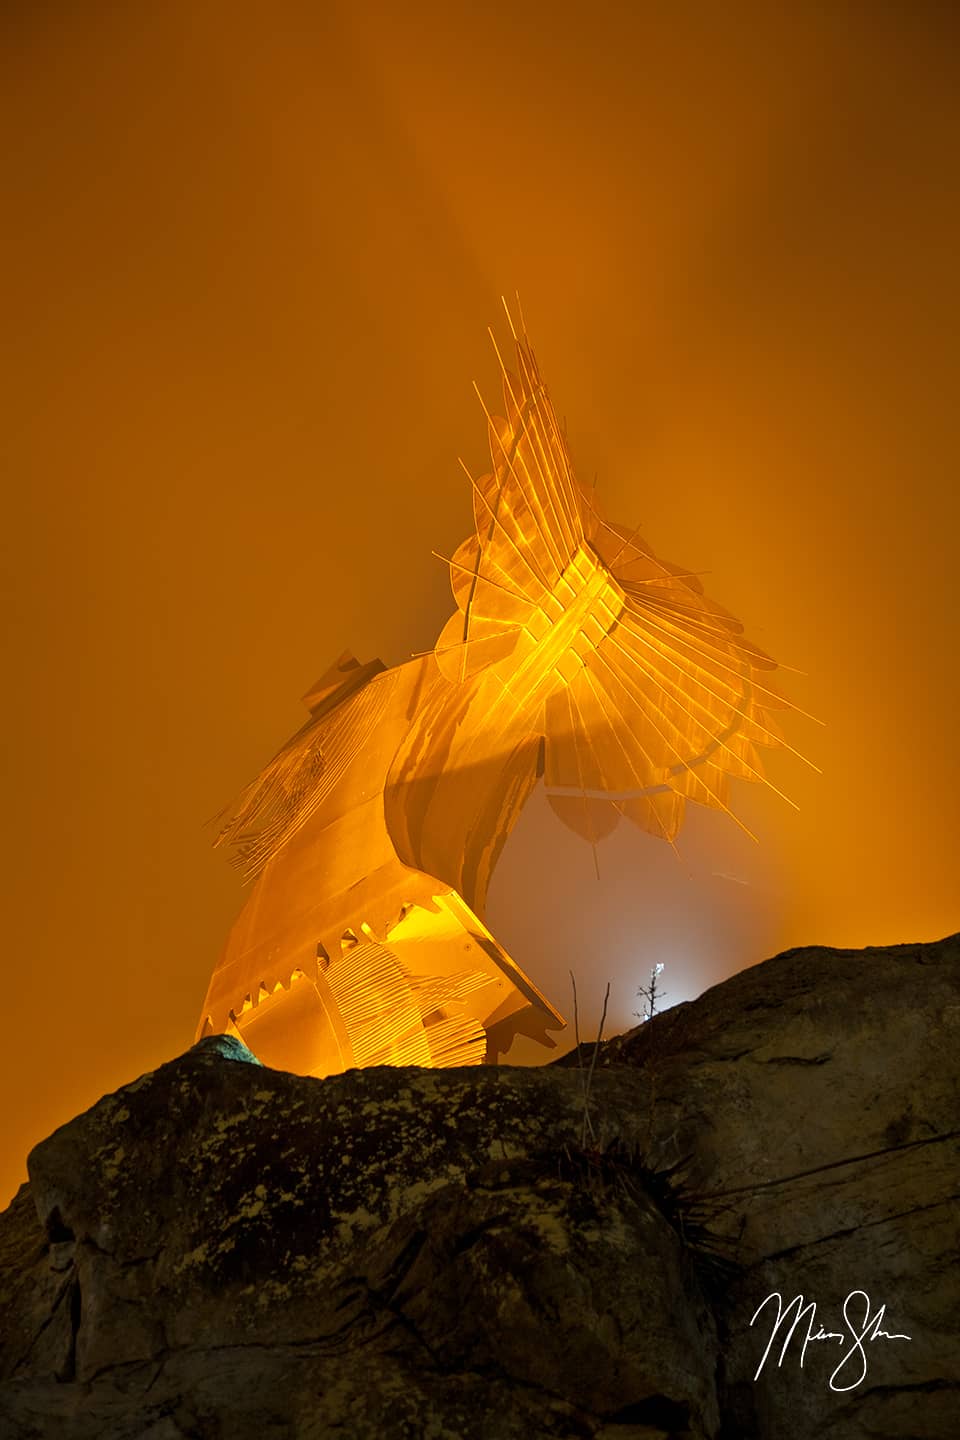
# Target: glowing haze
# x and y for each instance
(248, 276)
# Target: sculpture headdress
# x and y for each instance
(647, 692)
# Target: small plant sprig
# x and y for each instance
(651, 995)
(585, 1083)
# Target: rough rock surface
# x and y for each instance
(222, 1250)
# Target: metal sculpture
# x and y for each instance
(575, 657)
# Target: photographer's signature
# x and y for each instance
(860, 1330)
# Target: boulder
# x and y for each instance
(223, 1250)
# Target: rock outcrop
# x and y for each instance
(223, 1250)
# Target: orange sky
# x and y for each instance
(249, 258)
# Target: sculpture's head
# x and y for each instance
(574, 654)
